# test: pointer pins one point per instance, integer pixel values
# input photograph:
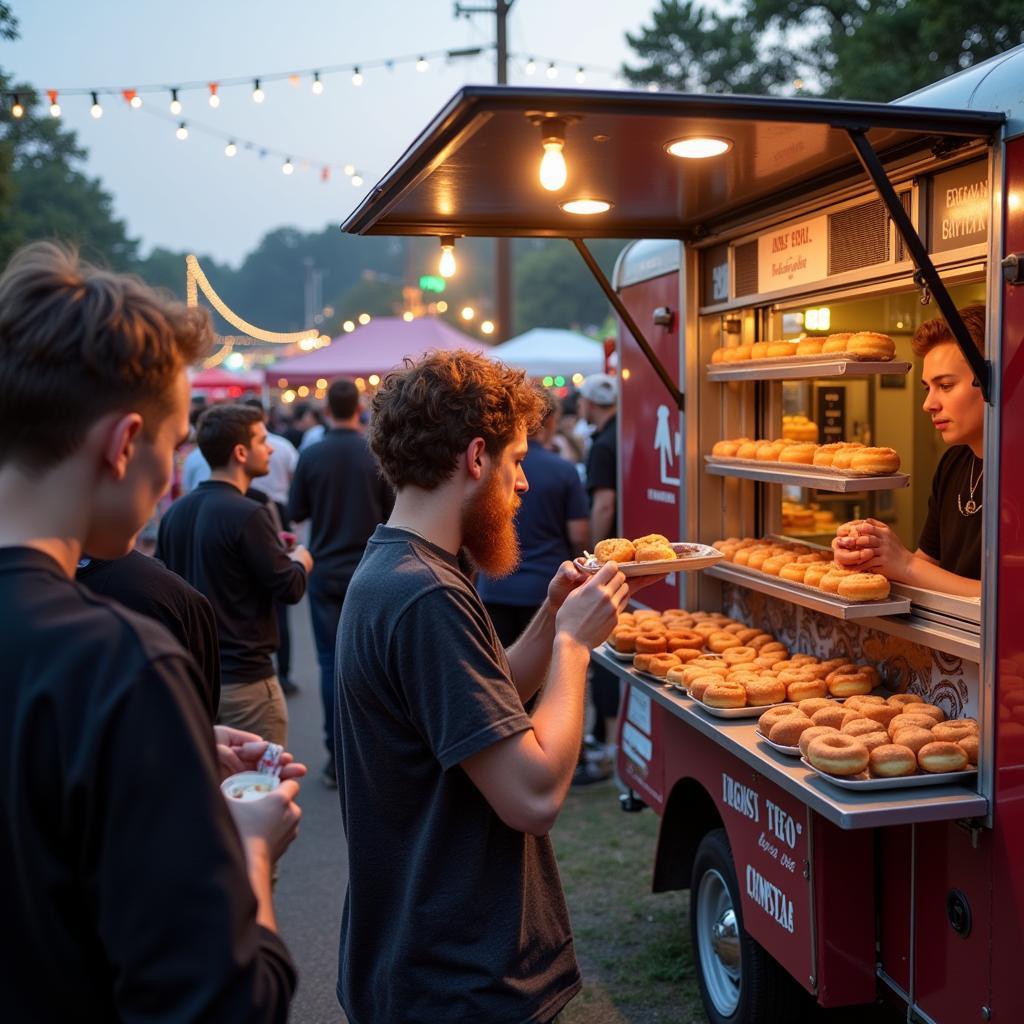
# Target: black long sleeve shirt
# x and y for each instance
(124, 887)
(226, 546)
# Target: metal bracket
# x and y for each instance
(930, 279)
(620, 307)
(1013, 268)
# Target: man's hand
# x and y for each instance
(301, 555)
(590, 611)
(568, 577)
(867, 545)
(268, 825)
(239, 751)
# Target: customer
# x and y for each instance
(122, 878)
(339, 488)
(226, 546)
(552, 526)
(448, 788)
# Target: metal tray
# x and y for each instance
(803, 368)
(697, 556)
(754, 711)
(796, 475)
(863, 783)
(788, 751)
(618, 655)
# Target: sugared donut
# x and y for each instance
(699, 684)
(835, 716)
(813, 733)
(865, 700)
(693, 671)
(675, 676)
(661, 663)
(863, 586)
(759, 641)
(883, 714)
(787, 731)
(838, 754)
(764, 691)
(874, 739)
(615, 549)
(861, 727)
(772, 715)
(805, 689)
(955, 731)
(905, 721)
(891, 761)
(901, 699)
(651, 642)
(725, 695)
(969, 745)
(942, 757)
(812, 704)
(913, 737)
(721, 641)
(716, 664)
(932, 710)
(739, 655)
(684, 638)
(849, 684)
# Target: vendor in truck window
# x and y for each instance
(948, 555)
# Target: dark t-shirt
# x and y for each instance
(555, 497)
(602, 466)
(450, 915)
(950, 537)
(226, 546)
(147, 586)
(124, 886)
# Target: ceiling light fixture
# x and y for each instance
(586, 207)
(446, 265)
(698, 147)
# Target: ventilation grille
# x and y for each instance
(901, 247)
(744, 258)
(858, 237)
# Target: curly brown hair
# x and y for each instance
(425, 414)
(935, 332)
(76, 343)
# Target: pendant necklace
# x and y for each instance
(971, 506)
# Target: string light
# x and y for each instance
(422, 64)
(96, 110)
(408, 317)
(287, 167)
(54, 105)
(175, 102)
(363, 318)
(487, 327)
(17, 110)
(214, 97)
(348, 326)
(182, 131)
(132, 98)
(442, 306)
(230, 149)
(349, 169)
(357, 180)
(257, 92)
(468, 312)
(318, 86)
(357, 78)
(552, 71)
(531, 66)
(373, 379)
(294, 81)
(581, 75)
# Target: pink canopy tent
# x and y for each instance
(376, 347)
(217, 383)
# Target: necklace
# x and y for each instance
(971, 506)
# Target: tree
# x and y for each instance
(864, 50)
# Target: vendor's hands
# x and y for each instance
(268, 825)
(589, 612)
(239, 751)
(568, 577)
(867, 545)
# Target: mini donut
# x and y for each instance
(875, 460)
(892, 761)
(902, 699)
(764, 691)
(838, 754)
(913, 737)
(650, 642)
(954, 731)
(811, 704)
(904, 721)
(787, 731)
(871, 345)
(661, 663)
(614, 549)
(689, 638)
(773, 715)
(942, 757)
(849, 684)
(931, 710)
(813, 733)
(805, 689)
(969, 745)
(861, 727)
(836, 342)
(738, 655)
(863, 586)
(809, 346)
(700, 684)
(835, 716)
(725, 695)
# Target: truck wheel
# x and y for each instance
(739, 982)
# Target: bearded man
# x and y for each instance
(448, 786)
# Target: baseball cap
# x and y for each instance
(600, 388)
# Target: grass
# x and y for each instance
(633, 946)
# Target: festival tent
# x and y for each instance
(547, 352)
(217, 383)
(377, 347)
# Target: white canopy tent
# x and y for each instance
(547, 351)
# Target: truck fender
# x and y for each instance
(689, 815)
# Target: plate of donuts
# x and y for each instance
(780, 747)
(687, 558)
(750, 711)
(613, 651)
(864, 782)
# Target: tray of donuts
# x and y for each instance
(874, 742)
(649, 556)
(841, 458)
(868, 346)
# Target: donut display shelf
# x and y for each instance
(802, 474)
(864, 783)
(607, 648)
(691, 557)
(805, 367)
(782, 749)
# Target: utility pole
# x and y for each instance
(502, 246)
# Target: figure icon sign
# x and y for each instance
(667, 444)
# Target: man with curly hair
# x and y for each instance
(448, 785)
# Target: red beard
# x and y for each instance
(489, 532)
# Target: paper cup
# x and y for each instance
(246, 786)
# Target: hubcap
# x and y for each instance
(718, 940)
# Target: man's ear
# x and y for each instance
(241, 454)
(476, 453)
(119, 442)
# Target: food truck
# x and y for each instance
(757, 219)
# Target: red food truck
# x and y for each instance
(766, 218)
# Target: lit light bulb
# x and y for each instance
(348, 326)
(230, 149)
(357, 78)
(553, 171)
(349, 170)
(446, 265)
(96, 110)
(17, 110)
(422, 65)
(135, 102)
(552, 71)
(287, 167)
(653, 87)
(257, 92)
(54, 105)
(363, 318)
(531, 66)
(374, 380)
(467, 313)
(318, 86)
(214, 97)
(442, 306)
(182, 131)
(487, 327)
(581, 76)
(408, 317)
(175, 102)
(357, 180)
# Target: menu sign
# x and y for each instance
(960, 207)
(795, 254)
(832, 414)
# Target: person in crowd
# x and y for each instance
(948, 555)
(552, 526)
(144, 584)
(303, 417)
(448, 788)
(315, 433)
(226, 546)
(564, 440)
(131, 890)
(194, 468)
(339, 488)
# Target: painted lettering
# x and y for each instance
(740, 798)
(781, 824)
(770, 898)
(801, 236)
(779, 243)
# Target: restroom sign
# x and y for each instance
(792, 255)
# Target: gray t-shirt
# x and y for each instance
(450, 915)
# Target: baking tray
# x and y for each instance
(805, 367)
(617, 655)
(782, 749)
(864, 784)
(698, 556)
(796, 474)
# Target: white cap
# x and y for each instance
(600, 388)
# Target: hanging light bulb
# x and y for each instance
(136, 101)
(96, 110)
(175, 102)
(318, 86)
(357, 78)
(357, 180)
(422, 64)
(581, 76)
(214, 97)
(552, 71)
(531, 66)
(446, 265)
(257, 92)
(17, 110)
(287, 167)
(349, 170)
(54, 105)
(230, 149)
(182, 131)
(553, 172)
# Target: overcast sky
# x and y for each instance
(188, 195)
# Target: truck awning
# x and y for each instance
(474, 169)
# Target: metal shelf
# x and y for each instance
(807, 597)
(805, 476)
(846, 809)
(789, 368)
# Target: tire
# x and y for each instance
(740, 983)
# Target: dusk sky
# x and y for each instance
(188, 194)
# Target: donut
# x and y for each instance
(969, 745)
(739, 655)
(650, 538)
(891, 761)
(803, 659)
(869, 345)
(675, 613)
(775, 563)
(931, 710)
(942, 757)
(863, 586)
(724, 448)
(759, 350)
(794, 571)
(875, 460)
(813, 733)
(698, 686)
(760, 641)
(773, 715)
(811, 704)
(913, 737)
(710, 664)
(801, 451)
(764, 691)
(614, 549)
(809, 346)
(661, 663)
(718, 356)
(720, 641)
(874, 739)
(838, 754)
(768, 451)
(642, 662)
(748, 633)
(747, 450)
(646, 613)
(757, 557)
(787, 731)
(883, 714)
(675, 676)
(955, 731)
(651, 643)
(903, 721)
(835, 715)
(865, 700)
(772, 647)
(829, 583)
(837, 342)
(805, 689)
(901, 699)
(725, 695)
(734, 627)
(624, 640)
(689, 638)
(781, 349)
(861, 727)
(849, 684)
(766, 661)
(652, 552)
(816, 571)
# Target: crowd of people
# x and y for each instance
(452, 638)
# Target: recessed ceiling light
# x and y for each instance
(586, 207)
(698, 147)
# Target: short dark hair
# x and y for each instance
(342, 399)
(77, 343)
(257, 404)
(935, 332)
(425, 414)
(221, 428)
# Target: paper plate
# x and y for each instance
(788, 751)
(691, 558)
(864, 782)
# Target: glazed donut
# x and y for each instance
(650, 642)
(969, 745)
(661, 663)
(913, 737)
(614, 549)
(725, 695)
(875, 460)
(863, 586)
(720, 641)
(773, 715)
(812, 734)
(849, 684)
(904, 721)
(891, 761)
(954, 731)
(869, 345)
(787, 731)
(901, 699)
(835, 716)
(809, 346)
(862, 727)
(688, 638)
(837, 342)
(838, 754)
(942, 757)
(761, 692)
(781, 349)
(805, 689)
(738, 655)
(811, 704)
(931, 710)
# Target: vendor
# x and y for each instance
(948, 556)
